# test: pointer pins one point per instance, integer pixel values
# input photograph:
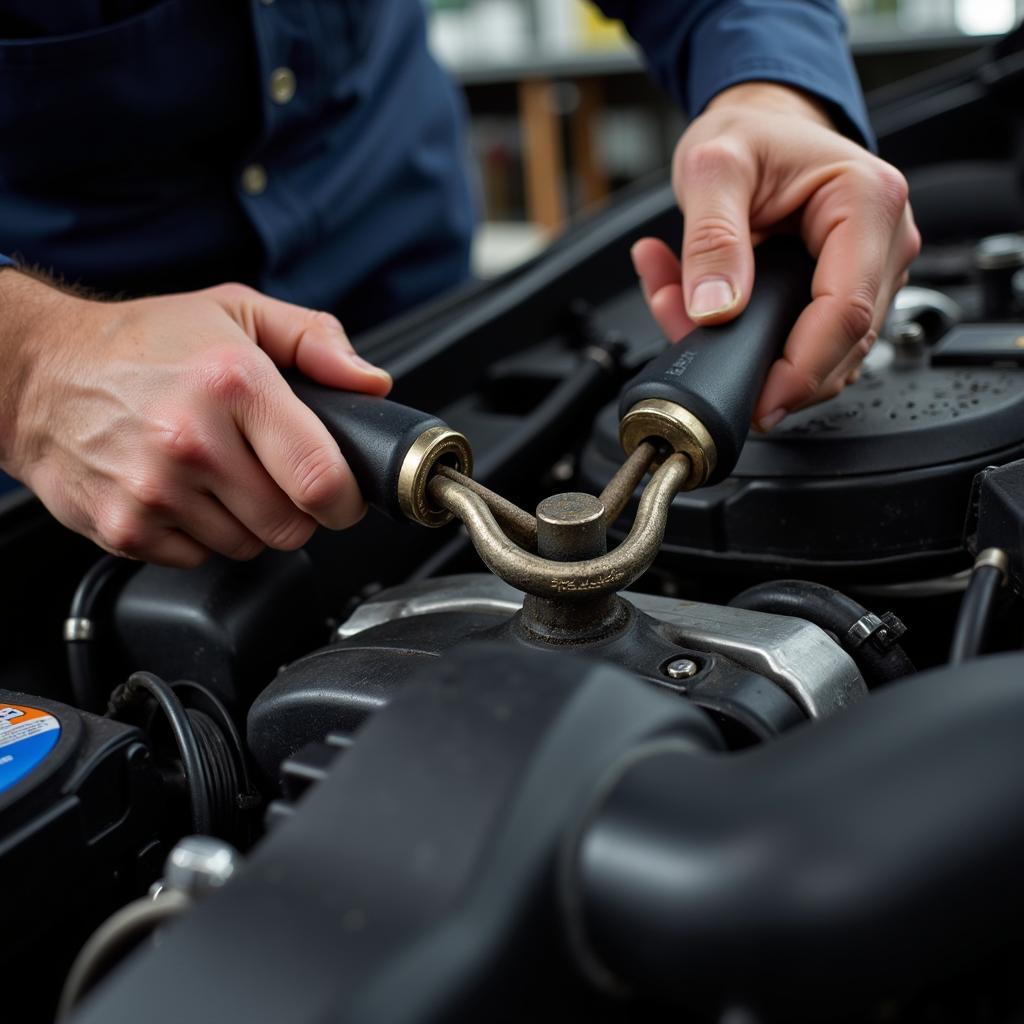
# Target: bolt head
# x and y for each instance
(198, 864)
(681, 668)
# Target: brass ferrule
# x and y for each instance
(657, 419)
(431, 447)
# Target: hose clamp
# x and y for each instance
(996, 558)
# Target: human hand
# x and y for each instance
(161, 429)
(764, 158)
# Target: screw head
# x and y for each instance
(681, 668)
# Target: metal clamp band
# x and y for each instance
(995, 557)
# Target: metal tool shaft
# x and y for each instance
(568, 580)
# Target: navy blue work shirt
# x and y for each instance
(311, 148)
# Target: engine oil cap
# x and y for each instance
(27, 735)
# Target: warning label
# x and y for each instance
(27, 735)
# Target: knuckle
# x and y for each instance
(710, 159)
(244, 549)
(711, 234)
(856, 314)
(891, 187)
(289, 534)
(183, 443)
(230, 379)
(833, 389)
(327, 321)
(913, 245)
(191, 558)
(318, 478)
(152, 491)
(124, 530)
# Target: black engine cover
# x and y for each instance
(873, 485)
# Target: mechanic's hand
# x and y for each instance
(161, 429)
(765, 158)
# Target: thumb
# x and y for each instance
(718, 258)
(313, 341)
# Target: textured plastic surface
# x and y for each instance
(716, 373)
(373, 434)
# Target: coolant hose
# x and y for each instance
(837, 614)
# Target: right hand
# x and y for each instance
(161, 429)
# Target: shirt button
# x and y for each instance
(254, 179)
(282, 85)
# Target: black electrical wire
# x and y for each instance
(183, 729)
(834, 612)
(974, 620)
(79, 630)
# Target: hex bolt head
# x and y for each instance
(681, 668)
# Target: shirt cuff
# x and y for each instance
(6, 261)
(801, 43)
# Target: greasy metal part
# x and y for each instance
(198, 865)
(517, 523)
(681, 668)
(796, 655)
(476, 592)
(802, 658)
(617, 492)
(995, 557)
(77, 629)
(656, 418)
(568, 580)
(571, 528)
(433, 445)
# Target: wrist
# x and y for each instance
(32, 319)
(772, 97)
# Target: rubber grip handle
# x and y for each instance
(716, 373)
(374, 434)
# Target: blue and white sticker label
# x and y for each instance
(27, 735)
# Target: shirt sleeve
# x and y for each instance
(697, 48)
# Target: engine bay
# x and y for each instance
(482, 771)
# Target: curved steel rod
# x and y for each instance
(567, 580)
(615, 497)
(519, 525)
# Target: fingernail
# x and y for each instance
(712, 295)
(357, 360)
(632, 257)
(772, 420)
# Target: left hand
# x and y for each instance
(764, 158)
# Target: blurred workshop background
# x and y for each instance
(562, 114)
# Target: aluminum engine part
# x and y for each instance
(797, 655)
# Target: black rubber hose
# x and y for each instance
(817, 875)
(184, 732)
(974, 620)
(80, 639)
(834, 612)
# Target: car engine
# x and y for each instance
(582, 737)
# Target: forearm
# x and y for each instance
(28, 308)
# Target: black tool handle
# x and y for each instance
(716, 373)
(374, 434)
